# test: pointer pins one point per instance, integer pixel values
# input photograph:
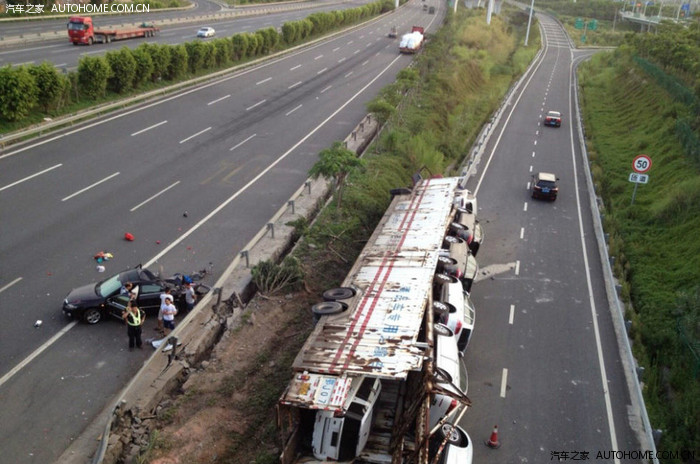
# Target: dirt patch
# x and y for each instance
(226, 409)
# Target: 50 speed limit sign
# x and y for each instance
(641, 163)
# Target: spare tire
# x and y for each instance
(339, 293)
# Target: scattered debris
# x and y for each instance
(38, 323)
(128, 237)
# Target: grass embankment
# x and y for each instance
(460, 78)
(655, 240)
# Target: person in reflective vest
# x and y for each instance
(134, 319)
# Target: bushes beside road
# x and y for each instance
(31, 93)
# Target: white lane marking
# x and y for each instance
(512, 314)
(10, 284)
(528, 186)
(341, 60)
(504, 379)
(525, 206)
(356, 52)
(522, 233)
(90, 53)
(195, 135)
(318, 57)
(60, 65)
(23, 63)
(295, 67)
(294, 85)
(90, 186)
(263, 81)
(257, 104)
(241, 143)
(530, 168)
(322, 71)
(36, 353)
(327, 88)
(362, 37)
(223, 205)
(364, 63)
(350, 42)
(348, 74)
(537, 132)
(368, 45)
(517, 267)
(219, 99)
(35, 48)
(335, 49)
(292, 111)
(533, 154)
(154, 196)
(149, 128)
(535, 142)
(30, 177)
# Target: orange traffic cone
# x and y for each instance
(493, 442)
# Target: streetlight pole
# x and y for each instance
(529, 21)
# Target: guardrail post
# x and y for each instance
(640, 373)
(307, 184)
(244, 254)
(271, 228)
(628, 326)
(291, 203)
(612, 261)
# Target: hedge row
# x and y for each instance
(43, 89)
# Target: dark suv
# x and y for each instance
(544, 185)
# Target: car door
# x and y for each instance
(149, 297)
(116, 305)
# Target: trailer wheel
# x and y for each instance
(90, 41)
(108, 39)
(340, 293)
(327, 307)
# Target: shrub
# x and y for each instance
(195, 56)
(208, 55)
(240, 46)
(224, 51)
(160, 57)
(178, 62)
(144, 66)
(290, 32)
(271, 278)
(18, 91)
(123, 66)
(93, 74)
(50, 84)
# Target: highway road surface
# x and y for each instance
(229, 153)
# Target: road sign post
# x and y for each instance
(641, 164)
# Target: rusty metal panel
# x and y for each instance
(315, 391)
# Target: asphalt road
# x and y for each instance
(229, 153)
(543, 362)
(65, 55)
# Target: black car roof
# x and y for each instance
(136, 275)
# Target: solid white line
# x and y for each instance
(504, 379)
(10, 284)
(90, 186)
(294, 85)
(36, 353)
(263, 81)
(295, 67)
(512, 314)
(195, 135)
(268, 168)
(348, 74)
(257, 104)
(327, 88)
(517, 267)
(154, 196)
(241, 143)
(522, 233)
(149, 128)
(322, 71)
(219, 99)
(292, 111)
(318, 57)
(30, 177)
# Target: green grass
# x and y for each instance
(655, 240)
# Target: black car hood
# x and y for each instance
(84, 296)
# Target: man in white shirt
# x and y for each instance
(169, 311)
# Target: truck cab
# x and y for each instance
(81, 30)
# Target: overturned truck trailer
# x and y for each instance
(363, 381)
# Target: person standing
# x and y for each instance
(190, 297)
(169, 312)
(134, 319)
(166, 293)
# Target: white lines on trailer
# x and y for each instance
(335, 49)
(263, 81)
(327, 88)
(219, 99)
(90, 186)
(2, 289)
(511, 316)
(30, 177)
(364, 63)
(517, 267)
(295, 67)
(257, 104)
(318, 57)
(294, 85)
(504, 379)
(525, 206)
(522, 233)
(348, 74)
(241, 143)
(149, 128)
(154, 196)
(293, 110)
(322, 71)
(341, 60)
(195, 135)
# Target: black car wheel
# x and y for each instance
(92, 316)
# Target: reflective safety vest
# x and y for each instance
(133, 318)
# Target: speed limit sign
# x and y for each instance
(641, 163)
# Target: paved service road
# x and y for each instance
(229, 153)
(65, 55)
(544, 363)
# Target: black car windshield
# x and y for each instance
(546, 184)
(109, 287)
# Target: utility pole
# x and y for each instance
(489, 12)
(529, 21)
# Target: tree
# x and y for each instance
(18, 93)
(336, 163)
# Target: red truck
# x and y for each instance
(81, 30)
